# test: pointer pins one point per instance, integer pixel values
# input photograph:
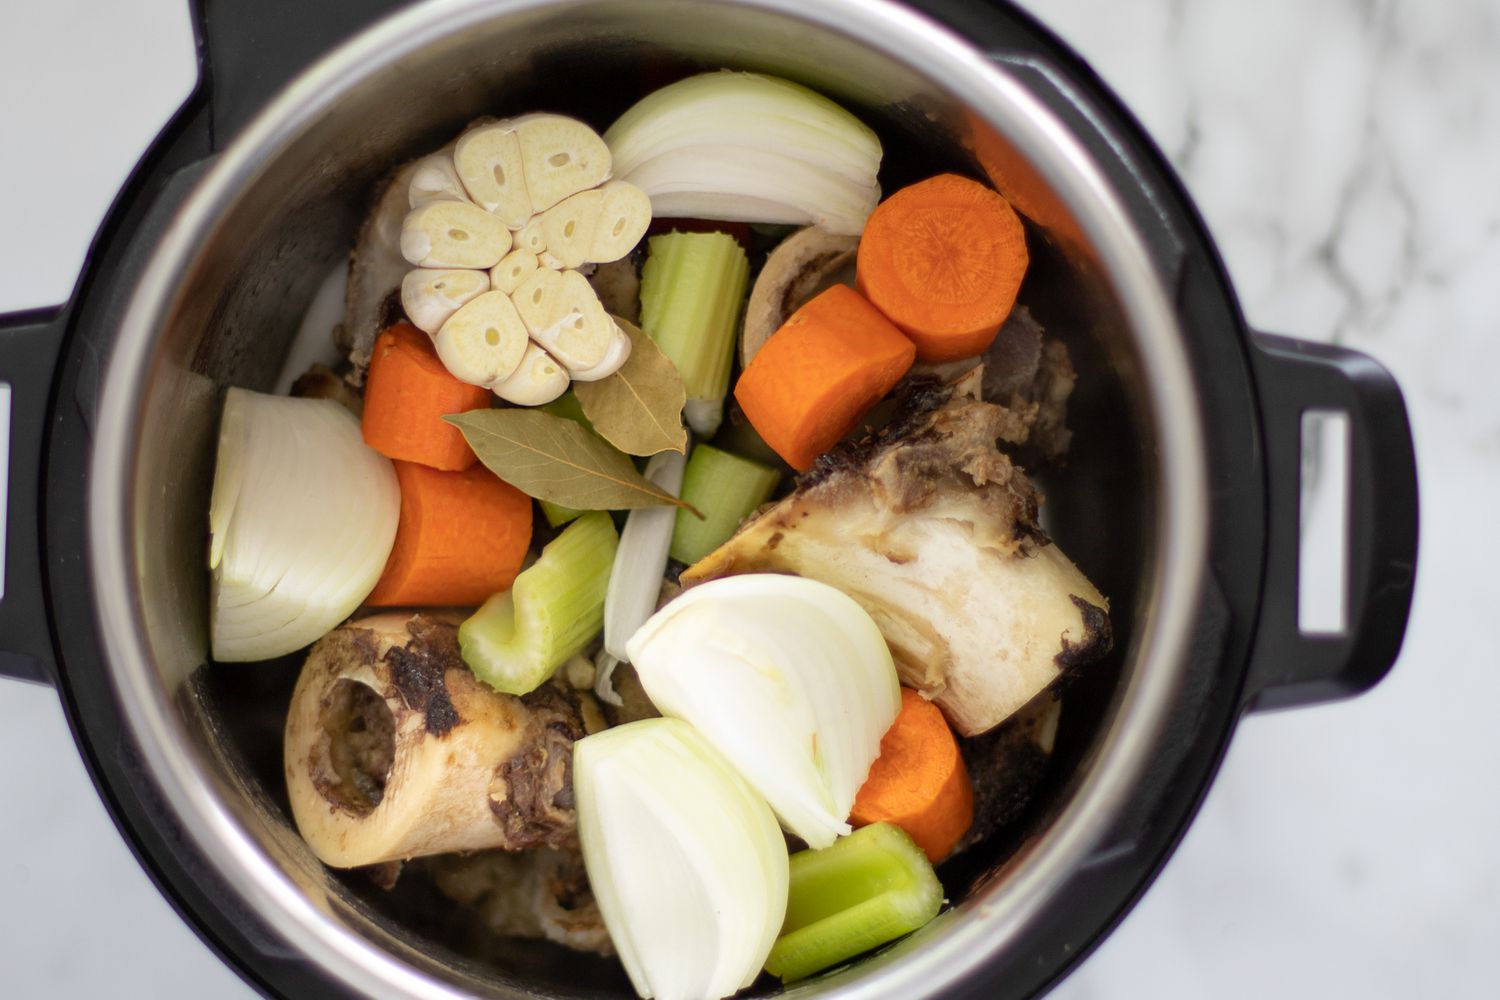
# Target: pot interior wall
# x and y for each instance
(295, 215)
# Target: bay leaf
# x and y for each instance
(558, 460)
(638, 409)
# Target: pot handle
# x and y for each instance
(1288, 666)
(29, 344)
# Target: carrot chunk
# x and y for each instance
(944, 259)
(407, 394)
(815, 377)
(919, 781)
(462, 536)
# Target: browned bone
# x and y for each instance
(933, 530)
(395, 750)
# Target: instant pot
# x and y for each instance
(1181, 497)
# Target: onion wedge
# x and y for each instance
(685, 860)
(749, 148)
(302, 518)
(789, 678)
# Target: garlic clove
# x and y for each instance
(434, 179)
(547, 259)
(488, 161)
(614, 357)
(531, 238)
(562, 313)
(560, 156)
(624, 215)
(430, 296)
(514, 268)
(538, 299)
(484, 341)
(453, 234)
(538, 379)
(568, 227)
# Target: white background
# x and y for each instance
(1347, 157)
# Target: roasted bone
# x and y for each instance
(394, 750)
(801, 266)
(934, 531)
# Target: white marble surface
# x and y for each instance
(1346, 156)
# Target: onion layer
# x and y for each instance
(635, 577)
(302, 518)
(789, 678)
(750, 148)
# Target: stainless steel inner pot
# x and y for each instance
(223, 293)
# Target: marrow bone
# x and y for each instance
(933, 530)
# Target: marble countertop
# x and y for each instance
(1345, 154)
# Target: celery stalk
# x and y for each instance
(555, 608)
(869, 888)
(692, 292)
(725, 488)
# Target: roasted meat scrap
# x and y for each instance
(319, 382)
(1007, 764)
(934, 531)
(1031, 375)
(376, 268)
(541, 893)
(394, 750)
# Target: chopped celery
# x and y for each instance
(692, 292)
(556, 514)
(567, 405)
(740, 437)
(553, 610)
(869, 888)
(725, 488)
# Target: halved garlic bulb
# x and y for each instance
(528, 200)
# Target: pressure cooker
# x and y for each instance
(1181, 497)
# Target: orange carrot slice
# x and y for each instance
(919, 781)
(816, 376)
(461, 538)
(944, 259)
(407, 394)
